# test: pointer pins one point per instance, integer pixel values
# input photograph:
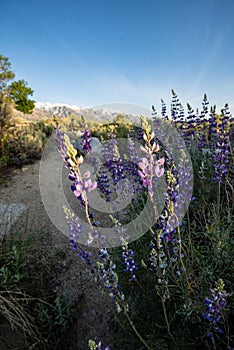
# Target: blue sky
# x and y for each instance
(95, 52)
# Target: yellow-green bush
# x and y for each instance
(22, 141)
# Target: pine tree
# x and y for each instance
(19, 92)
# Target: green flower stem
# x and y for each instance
(181, 260)
(167, 322)
(136, 331)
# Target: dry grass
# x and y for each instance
(16, 321)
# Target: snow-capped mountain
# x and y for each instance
(50, 105)
(58, 109)
(101, 114)
(64, 110)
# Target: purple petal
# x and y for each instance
(144, 163)
(142, 176)
(158, 171)
(77, 193)
(93, 186)
(87, 174)
(88, 183)
(161, 161)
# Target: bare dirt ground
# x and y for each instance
(92, 309)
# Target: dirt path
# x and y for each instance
(93, 310)
(22, 186)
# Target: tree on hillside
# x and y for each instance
(12, 95)
(17, 92)
(6, 74)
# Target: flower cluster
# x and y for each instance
(117, 168)
(171, 196)
(132, 150)
(164, 109)
(221, 158)
(210, 130)
(75, 231)
(151, 167)
(129, 263)
(157, 258)
(115, 163)
(164, 242)
(86, 142)
(214, 307)
(109, 278)
(202, 125)
(189, 131)
(148, 171)
(68, 153)
(112, 170)
(62, 149)
(103, 182)
(166, 250)
(94, 346)
(82, 184)
(213, 129)
(175, 106)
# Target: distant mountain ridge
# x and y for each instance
(50, 105)
(58, 109)
(47, 109)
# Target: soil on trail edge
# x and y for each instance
(93, 310)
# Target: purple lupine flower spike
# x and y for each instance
(86, 142)
(215, 304)
(222, 151)
(75, 231)
(129, 263)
